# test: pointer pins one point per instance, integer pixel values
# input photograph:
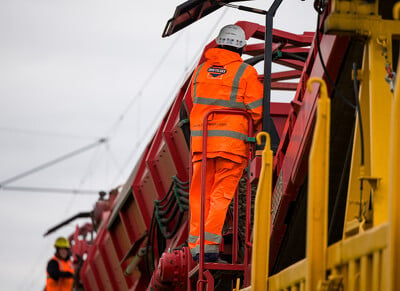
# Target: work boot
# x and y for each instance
(213, 258)
(210, 258)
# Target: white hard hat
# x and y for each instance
(231, 35)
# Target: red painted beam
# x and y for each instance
(284, 86)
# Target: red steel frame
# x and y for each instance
(290, 162)
(148, 178)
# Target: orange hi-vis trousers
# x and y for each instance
(222, 179)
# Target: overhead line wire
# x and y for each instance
(144, 85)
(196, 57)
(45, 133)
(49, 190)
(50, 163)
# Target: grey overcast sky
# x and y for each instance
(72, 72)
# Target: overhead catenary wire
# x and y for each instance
(50, 163)
(146, 82)
(150, 130)
(121, 117)
(50, 190)
(46, 133)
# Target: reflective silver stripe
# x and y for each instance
(236, 81)
(192, 238)
(222, 133)
(210, 249)
(215, 238)
(219, 102)
(195, 79)
(255, 104)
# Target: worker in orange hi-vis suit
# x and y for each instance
(60, 271)
(223, 81)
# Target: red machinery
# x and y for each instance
(140, 242)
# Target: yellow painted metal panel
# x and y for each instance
(380, 109)
(352, 7)
(394, 201)
(292, 275)
(375, 239)
(356, 201)
(360, 17)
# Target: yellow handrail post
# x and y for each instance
(318, 187)
(396, 11)
(394, 193)
(262, 211)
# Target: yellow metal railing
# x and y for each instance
(294, 277)
(318, 187)
(369, 261)
(262, 210)
(396, 11)
(357, 263)
(360, 262)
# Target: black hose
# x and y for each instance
(182, 192)
(326, 71)
(165, 197)
(184, 201)
(355, 85)
(164, 220)
(175, 228)
(181, 184)
(150, 260)
(291, 56)
(358, 107)
(337, 206)
(162, 211)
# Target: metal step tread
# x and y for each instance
(217, 266)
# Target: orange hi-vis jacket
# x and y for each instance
(62, 284)
(224, 81)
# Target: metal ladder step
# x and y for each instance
(217, 266)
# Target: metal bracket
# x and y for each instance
(334, 283)
(372, 181)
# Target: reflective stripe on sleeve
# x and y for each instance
(255, 104)
(236, 81)
(221, 133)
(195, 79)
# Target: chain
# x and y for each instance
(391, 75)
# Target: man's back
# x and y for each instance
(224, 81)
